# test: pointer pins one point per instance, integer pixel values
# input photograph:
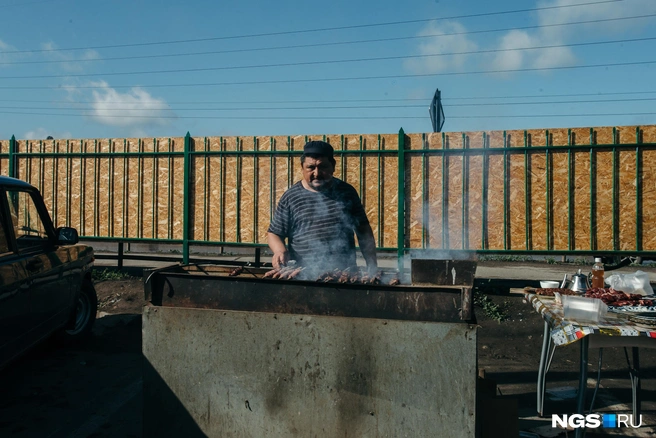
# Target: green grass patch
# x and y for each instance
(497, 312)
(109, 275)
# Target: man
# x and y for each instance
(318, 216)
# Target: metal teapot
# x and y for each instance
(580, 283)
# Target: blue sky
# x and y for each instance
(132, 68)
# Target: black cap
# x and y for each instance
(317, 147)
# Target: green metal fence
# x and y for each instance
(101, 211)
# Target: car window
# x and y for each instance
(28, 227)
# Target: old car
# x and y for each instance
(45, 275)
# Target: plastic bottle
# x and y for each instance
(597, 274)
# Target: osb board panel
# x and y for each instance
(414, 201)
(77, 190)
(603, 159)
(581, 201)
(648, 197)
(389, 142)
(247, 194)
(434, 141)
(264, 190)
(88, 226)
(230, 205)
(209, 220)
(627, 200)
(415, 180)
(559, 195)
(162, 201)
(47, 189)
(4, 147)
(199, 213)
(148, 197)
(264, 212)
(177, 180)
(390, 202)
(627, 134)
(414, 141)
(103, 213)
(494, 139)
(604, 135)
(434, 197)
(648, 134)
(581, 136)
(475, 202)
(536, 137)
(517, 202)
(372, 195)
(515, 138)
(4, 166)
(537, 201)
(137, 210)
(495, 201)
(454, 166)
(558, 137)
(61, 195)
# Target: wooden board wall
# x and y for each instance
(469, 190)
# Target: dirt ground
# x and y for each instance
(94, 390)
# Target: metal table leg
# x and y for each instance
(542, 371)
(635, 383)
(583, 383)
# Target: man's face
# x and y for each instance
(317, 172)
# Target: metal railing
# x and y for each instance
(101, 177)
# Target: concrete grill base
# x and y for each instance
(222, 373)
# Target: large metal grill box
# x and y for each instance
(247, 356)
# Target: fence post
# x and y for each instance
(185, 197)
(401, 200)
(12, 157)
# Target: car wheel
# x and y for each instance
(85, 315)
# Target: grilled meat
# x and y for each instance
(344, 276)
(355, 278)
(295, 272)
(270, 273)
(376, 278)
(238, 270)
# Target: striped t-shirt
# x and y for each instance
(319, 226)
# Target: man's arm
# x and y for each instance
(280, 254)
(367, 245)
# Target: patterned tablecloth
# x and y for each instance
(565, 331)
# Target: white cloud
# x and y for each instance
(441, 44)
(43, 133)
(553, 57)
(597, 11)
(8, 57)
(69, 59)
(512, 59)
(507, 58)
(135, 108)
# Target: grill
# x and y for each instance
(436, 290)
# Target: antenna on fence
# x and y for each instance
(436, 111)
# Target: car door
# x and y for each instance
(14, 296)
(50, 301)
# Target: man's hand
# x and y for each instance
(280, 259)
(280, 254)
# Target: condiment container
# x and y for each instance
(583, 309)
